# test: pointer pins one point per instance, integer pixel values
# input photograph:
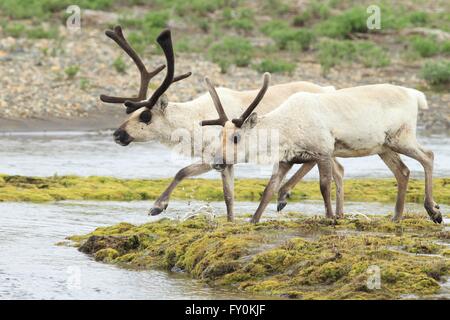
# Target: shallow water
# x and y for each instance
(94, 153)
(32, 266)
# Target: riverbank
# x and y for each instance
(33, 189)
(64, 73)
(303, 257)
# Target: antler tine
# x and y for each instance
(240, 121)
(216, 100)
(182, 76)
(118, 37)
(165, 42)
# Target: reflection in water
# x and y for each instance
(92, 153)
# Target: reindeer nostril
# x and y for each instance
(122, 137)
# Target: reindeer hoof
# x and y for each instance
(281, 205)
(433, 212)
(155, 210)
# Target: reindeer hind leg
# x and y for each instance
(401, 173)
(411, 148)
(338, 177)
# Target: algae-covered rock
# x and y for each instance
(23, 188)
(106, 255)
(120, 244)
(303, 257)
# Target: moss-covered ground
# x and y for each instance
(21, 188)
(301, 257)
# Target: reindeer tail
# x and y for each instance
(421, 99)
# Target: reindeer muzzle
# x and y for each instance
(122, 137)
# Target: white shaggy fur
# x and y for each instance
(354, 122)
(186, 115)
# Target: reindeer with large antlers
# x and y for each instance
(157, 119)
(317, 127)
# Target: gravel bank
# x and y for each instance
(37, 94)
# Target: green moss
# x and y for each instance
(309, 258)
(106, 255)
(22, 188)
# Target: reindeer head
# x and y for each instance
(145, 115)
(234, 133)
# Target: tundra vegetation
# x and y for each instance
(56, 188)
(300, 257)
(242, 32)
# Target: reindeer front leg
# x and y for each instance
(326, 173)
(194, 169)
(228, 190)
(285, 190)
(279, 172)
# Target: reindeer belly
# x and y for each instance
(356, 148)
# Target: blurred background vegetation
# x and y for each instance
(266, 35)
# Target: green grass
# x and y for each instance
(344, 24)
(437, 73)
(275, 66)
(84, 84)
(332, 53)
(42, 33)
(313, 12)
(240, 20)
(17, 30)
(287, 37)
(419, 18)
(425, 47)
(445, 48)
(14, 29)
(231, 50)
(206, 27)
(119, 65)
(71, 71)
(43, 9)
(292, 38)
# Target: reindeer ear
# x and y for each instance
(251, 121)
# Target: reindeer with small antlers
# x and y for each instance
(156, 119)
(317, 127)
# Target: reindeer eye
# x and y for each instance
(236, 138)
(145, 116)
